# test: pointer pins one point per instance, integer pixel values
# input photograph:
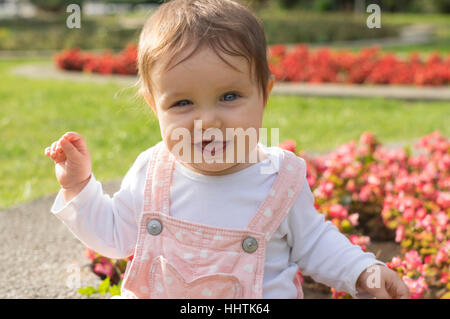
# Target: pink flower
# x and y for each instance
(442, 219)
(361, 241)
(367, 138)
(413, 260)
(426, 223)
(104, 269)
(396, 262)
(288, 145)
(408, 214)
(416, 287)
(421, 213)
(324, 190)
(335, 294)
(400, 233)
(441, 256)
(90, 254)
(374, 180)
(351, 186)
(444, 278)
(337, 211)
(443, 199)
(428, 190)
(364, 194)
(353, 218)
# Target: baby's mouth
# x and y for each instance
(214, 147)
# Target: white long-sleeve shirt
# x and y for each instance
(109, 225)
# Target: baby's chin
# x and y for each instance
(212, 168)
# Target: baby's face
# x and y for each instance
(204, 88)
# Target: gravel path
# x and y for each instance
(40, 257)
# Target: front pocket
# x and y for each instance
(167, 282)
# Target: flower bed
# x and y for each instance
(369, 66)
(107, 63)
(299, 64)
(399, 197)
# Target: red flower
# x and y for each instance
(288, 145)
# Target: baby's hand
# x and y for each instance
(72, 163)
(382, 283)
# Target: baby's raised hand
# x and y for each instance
(72, 163)
(382, 283)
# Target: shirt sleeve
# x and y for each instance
(321, 251)
(105, 224)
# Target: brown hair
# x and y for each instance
(224, 25)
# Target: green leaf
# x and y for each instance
(114, 290)
(89, 290)
(104, 286)
(446, 295)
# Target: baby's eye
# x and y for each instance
(182, 103)
(230, 96)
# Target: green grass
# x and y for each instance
(325, 123)
(435, 19)
(442, 48)
(34, 113)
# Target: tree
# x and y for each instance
(55, 5)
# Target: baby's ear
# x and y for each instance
(150, 103)
(270, 84)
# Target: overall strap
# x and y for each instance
(158, 180)
(283, 194)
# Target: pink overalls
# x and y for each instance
(180, 259)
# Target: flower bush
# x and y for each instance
(391, 190)
(110, 270)
(369, 66)
(372, 193)
(299, 64)
(107, 63)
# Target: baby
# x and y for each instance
(210, 212)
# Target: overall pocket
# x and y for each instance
(166, 281)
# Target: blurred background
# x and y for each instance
(111, 24)
(337, 79)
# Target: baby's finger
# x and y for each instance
(52, 149)
(69, 149)
(58, 145)
(60, 156)
(77, 140)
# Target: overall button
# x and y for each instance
(250, 244)
(154, 227)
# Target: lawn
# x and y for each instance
(117, 127)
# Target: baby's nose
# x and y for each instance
(208, 121)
